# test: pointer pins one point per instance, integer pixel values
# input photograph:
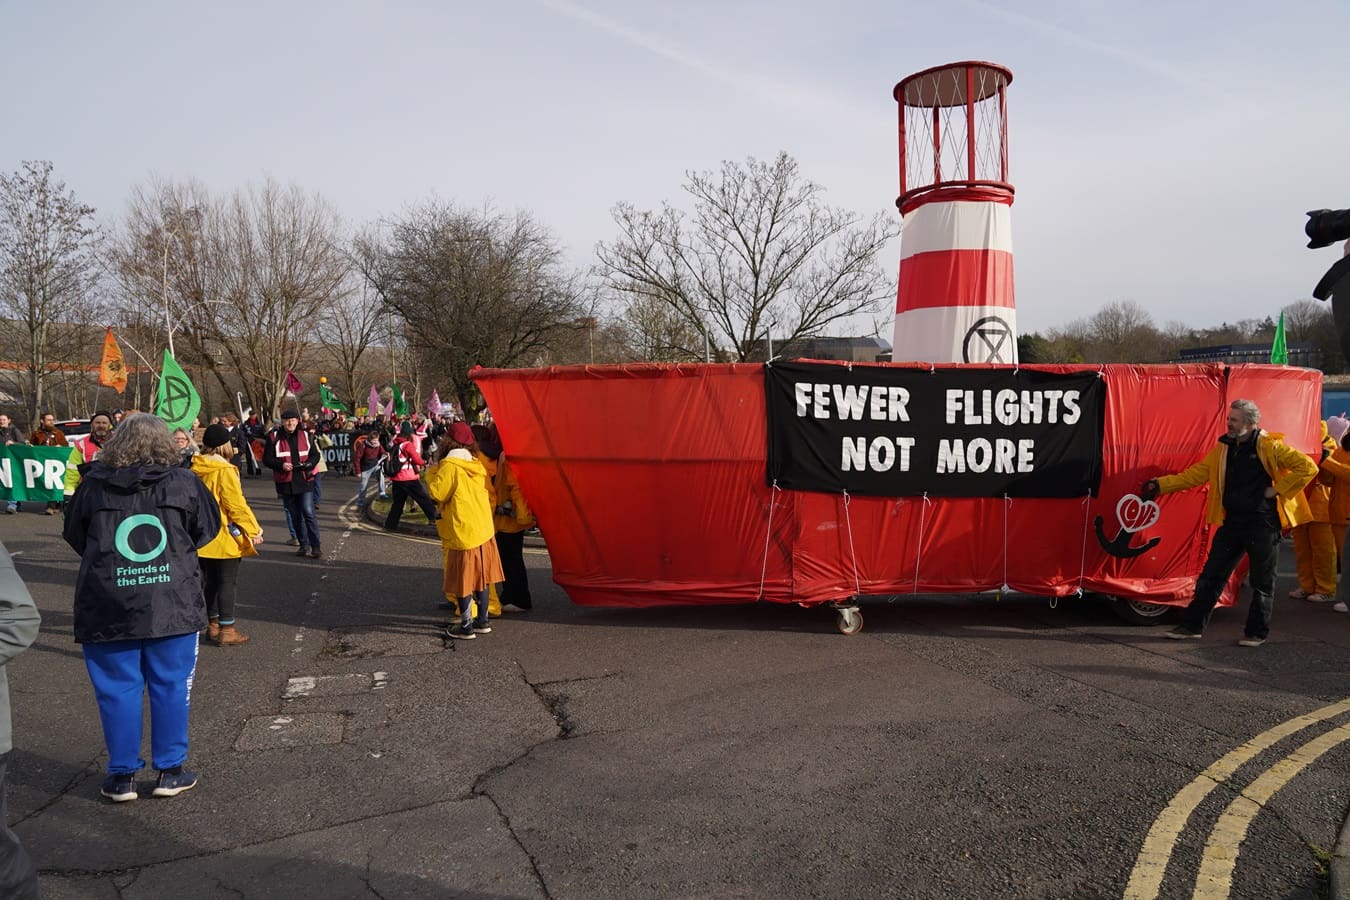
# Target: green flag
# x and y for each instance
(1279, 351)
(328, 401)
(400, 405)
(177, 402)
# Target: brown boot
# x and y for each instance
(230, 635)
(212, 632)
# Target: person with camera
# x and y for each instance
(292, 456)
(1256, 486)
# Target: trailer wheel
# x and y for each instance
(1140, 612)
(850, 620)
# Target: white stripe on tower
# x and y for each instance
(954, 301)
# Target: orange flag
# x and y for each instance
(112, 372)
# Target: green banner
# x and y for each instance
(33, 473)
(400, 404)
(177, 403)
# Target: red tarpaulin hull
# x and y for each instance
(649, 485)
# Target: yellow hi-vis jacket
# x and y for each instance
(1289, 470)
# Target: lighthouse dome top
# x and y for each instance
(952, 84)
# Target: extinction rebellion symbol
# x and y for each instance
(177, 399)
(987, 341)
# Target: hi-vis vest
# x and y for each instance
(283, 453)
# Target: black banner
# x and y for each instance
(948, 433)
(340, 454)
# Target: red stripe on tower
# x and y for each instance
(955, 298)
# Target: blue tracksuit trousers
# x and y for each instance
(121, 672)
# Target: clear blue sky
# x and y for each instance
(1162, 152)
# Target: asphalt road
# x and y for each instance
(958, 747)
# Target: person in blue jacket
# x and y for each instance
(137, 520)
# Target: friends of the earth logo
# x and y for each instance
(155, 541)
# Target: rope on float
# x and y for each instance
(768, 534)
(848, 523)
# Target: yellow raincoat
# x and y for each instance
(1289, 469)
(222, 479)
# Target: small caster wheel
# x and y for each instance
(850, 621)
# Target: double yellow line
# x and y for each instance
(1219, 857)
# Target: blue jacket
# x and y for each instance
(137, 531)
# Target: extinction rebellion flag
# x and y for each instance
(949, 433)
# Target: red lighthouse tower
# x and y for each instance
(955, 297)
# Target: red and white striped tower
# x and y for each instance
(955, 296)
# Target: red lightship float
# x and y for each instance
(959, 472)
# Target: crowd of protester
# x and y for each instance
(181, 491)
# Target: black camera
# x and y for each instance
(1325, 227)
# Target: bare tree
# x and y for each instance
(289, 267)
(654, 331)
(349, 329)
(48, 268)
(247, 278)
(472, 289)
(763, 257)
(1304, 319)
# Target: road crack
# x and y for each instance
(75, 780)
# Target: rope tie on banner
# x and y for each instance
(932, 370)
(1082, 561)
(768, 534)
(848, 523)
(918, 551)
(1007, 502)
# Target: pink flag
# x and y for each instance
(373, 404)
(434, 404)
(389, 410)
(293, 384)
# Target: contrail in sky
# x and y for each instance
(770, 90)
(1073, 38)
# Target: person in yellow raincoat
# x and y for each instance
(1315, 546)
(458, 484)
(239, 534)
(512, 517)
(1256, 486)
(1336, 473)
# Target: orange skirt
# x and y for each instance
(467, 571)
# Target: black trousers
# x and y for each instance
(220, 578)
(1261, 545)
(401, 491)
(18, 877)
(516, 588)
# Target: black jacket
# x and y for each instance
(137, 531)
(300, 480)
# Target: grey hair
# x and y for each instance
(140, 438)
(1248, 410)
